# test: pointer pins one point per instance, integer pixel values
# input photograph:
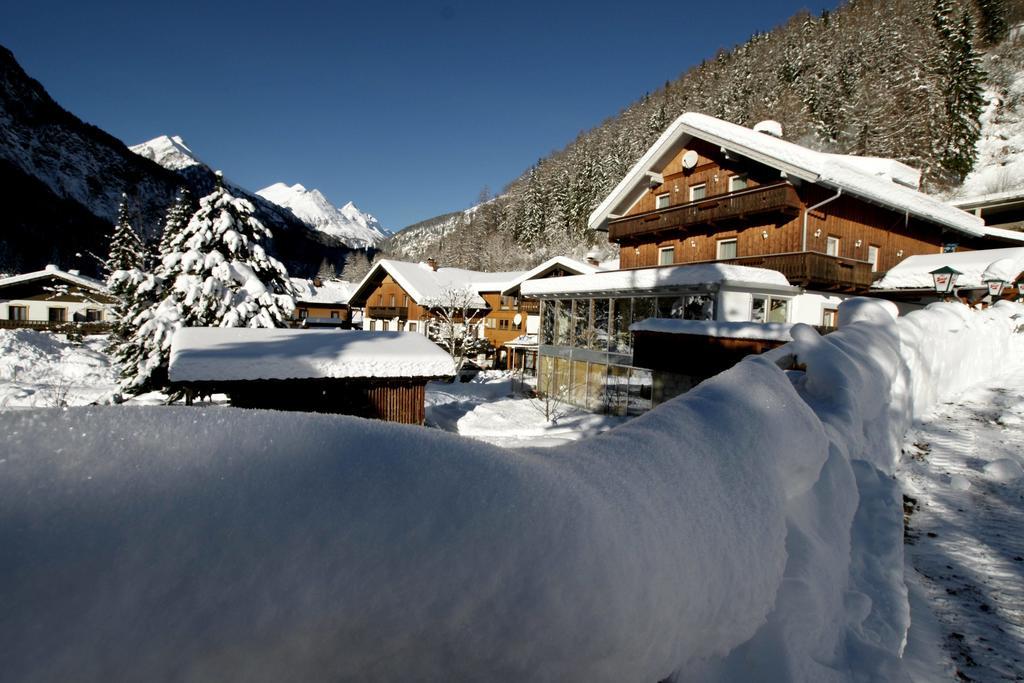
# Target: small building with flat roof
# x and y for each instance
(381, 375)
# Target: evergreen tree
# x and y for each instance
(124, 267)
(212, 272)
(227, 277)
(993, 24)
(959, 74)
(177, 218)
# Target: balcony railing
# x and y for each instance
(813, 269)
(388, 312)
(729, 208)
(530, 307)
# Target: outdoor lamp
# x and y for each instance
(1020, 290)
(944, 279)
(995, 288)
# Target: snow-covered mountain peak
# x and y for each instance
(347, 224)
(171, 152)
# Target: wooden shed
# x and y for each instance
(381, 375)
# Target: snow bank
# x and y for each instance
(253, 545)
(756, 535)
(41, 369)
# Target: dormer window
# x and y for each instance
(737, 183)
(661, 201)
(698, 192)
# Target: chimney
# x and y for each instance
(432, 263)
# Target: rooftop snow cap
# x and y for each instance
(769, 127)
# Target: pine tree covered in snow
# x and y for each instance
(227, 279)
(126, 254)
(177, 218)
(213, 272)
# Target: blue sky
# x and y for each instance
(408, 110)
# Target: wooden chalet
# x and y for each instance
(400, 295)
(52, 299)
(321, 303)
(709, 190)
(380, 375)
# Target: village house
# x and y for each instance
(50, 298)
(380, 375)
(322, 303)
(728, 236)
(400, 295)
(709, 190)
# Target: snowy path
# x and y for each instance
(965, 543)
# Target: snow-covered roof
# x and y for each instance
(1015, 235)
(54, 271)
(243, 353)
(424, 284)
(329, 291)
(698, 274)
(992, 199)
(716, 328)
(563, 262)
(914, 272)
(880, 181)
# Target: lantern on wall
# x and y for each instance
(995, 288)
(944, 279)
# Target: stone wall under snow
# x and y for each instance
(749, 530)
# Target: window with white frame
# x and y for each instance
(661, 201)
(737, 182)
(726, 249)
(832, 245)
(873, 257)
(666, 256)
(829, 317)
(698, 192)
(769, 309)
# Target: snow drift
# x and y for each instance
(755, 535)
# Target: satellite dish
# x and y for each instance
(518, 319)
(690, 159)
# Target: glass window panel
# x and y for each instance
(698, 192)
(599, 334)
(726, 249)
(617, 389)
(561, 380)
(779, 311)
(661, 201)
(699, 307)
(547, 327)
(666, 256)
(596, 399)
(563, 320)
(545, 374)
(579, 383)
(759, 309)
(640, 386)
(580, 323)
(671, 307)
(622, 317)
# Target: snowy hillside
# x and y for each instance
(424, 238)
(348, 224)
(170, 152)
(1000, 163)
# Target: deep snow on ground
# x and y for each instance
(495, 407)
(41, 369)
(749, 530)
(965, 541)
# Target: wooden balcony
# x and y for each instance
(722, 210)
(815, 270)
(388, 312)
(530, 307)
